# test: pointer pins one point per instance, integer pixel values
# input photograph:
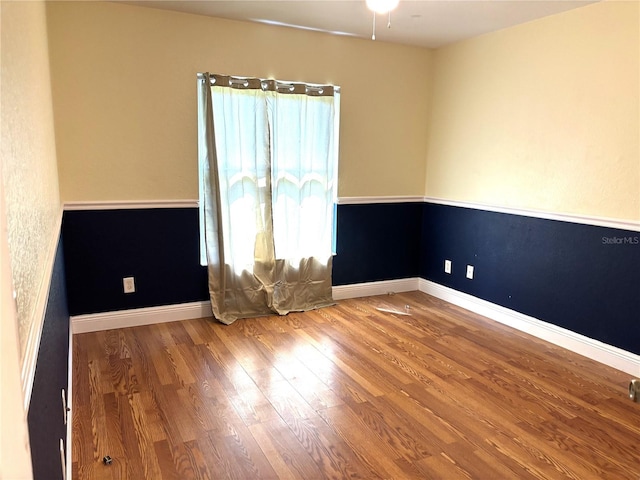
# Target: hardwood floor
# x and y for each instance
(347, 392)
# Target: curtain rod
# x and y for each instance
(251, 83)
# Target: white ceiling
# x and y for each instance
(427, 23)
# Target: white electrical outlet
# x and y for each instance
(447, 266)
(128, 284)
(470, 272)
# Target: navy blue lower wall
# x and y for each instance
(45, 417)
(376, 242)
(159, 247)
(580, 277)
(567, 274)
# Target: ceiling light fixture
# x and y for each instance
(381, 7)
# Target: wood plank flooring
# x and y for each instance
(347, 392)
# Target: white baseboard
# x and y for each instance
(95, 322)
(588, 347)
(139, 316)
(369, 289)
(601, 352)
(68, 442)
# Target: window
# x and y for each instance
(268, 162)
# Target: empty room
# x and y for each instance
(320, 239)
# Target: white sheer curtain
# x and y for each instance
(242, 141)
(303, 174)
(268, 160)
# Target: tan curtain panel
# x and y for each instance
(268, 164)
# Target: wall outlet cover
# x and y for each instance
(470, 272)
(129, 285)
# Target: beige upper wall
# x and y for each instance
(29, 171)
(542, 116)
(124, 83)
